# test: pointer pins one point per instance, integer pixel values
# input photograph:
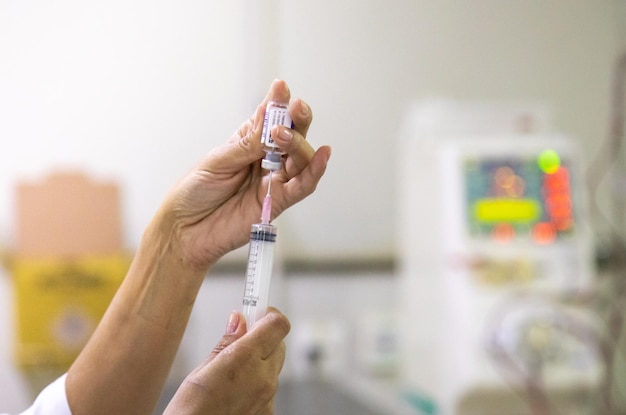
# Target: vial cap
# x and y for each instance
(271, 165)
(272, 161)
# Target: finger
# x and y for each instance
(278, 357)
(279, 92)
(294, 144)
(302, 185)
(268, 333)
(275, 360)
(235, 329)
(301, 116)
(245, 145)
(241, 150)
(251, 124)
(268, 409)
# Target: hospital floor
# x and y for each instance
(316, 398)
(308, 397)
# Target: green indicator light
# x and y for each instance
(549, 161)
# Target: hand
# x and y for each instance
(210, 212)
(240, 377)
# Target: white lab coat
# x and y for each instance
(51, 401)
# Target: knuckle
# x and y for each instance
(221, 345)
(218, 348)
(246, 139)
(280, 322)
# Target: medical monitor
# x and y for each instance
(526, 198)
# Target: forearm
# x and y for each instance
(124, 366)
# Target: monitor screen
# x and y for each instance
(519, 198)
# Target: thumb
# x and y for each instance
(235, 328)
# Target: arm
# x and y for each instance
(124, 366)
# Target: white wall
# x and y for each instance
(361, 63)
(133, 91)
(138, 91)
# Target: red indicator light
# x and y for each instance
(563, 224)
(558, 203)
(560, 206)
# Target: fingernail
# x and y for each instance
(233, 322)
(285, 134)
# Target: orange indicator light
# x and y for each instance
(503, 232)
(544, 233)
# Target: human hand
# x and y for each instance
(210, 211)
(240, 376)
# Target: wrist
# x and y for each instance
(159, 287)
(171, 241)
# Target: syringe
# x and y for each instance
(260, 261)
(263, 235)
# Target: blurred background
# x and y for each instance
(430, 272)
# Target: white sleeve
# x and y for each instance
(51, 401)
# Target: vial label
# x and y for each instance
(275, 114)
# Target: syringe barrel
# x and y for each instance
(259, 272)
